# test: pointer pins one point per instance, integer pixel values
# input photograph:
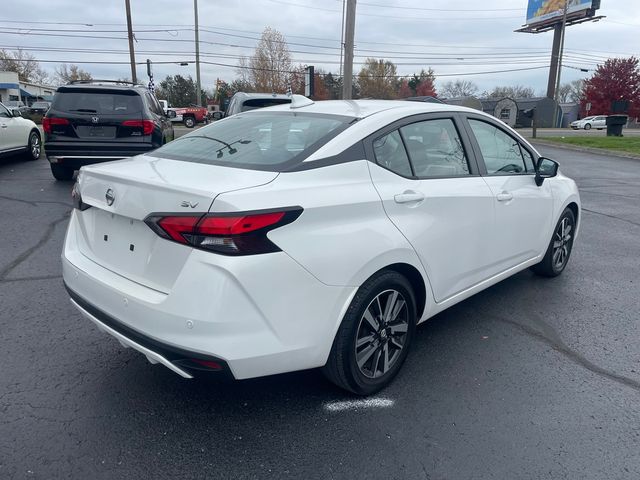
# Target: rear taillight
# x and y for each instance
(229, 234)
(49, 123)
(147, 126)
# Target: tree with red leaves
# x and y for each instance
(617, 79)
(405, 90)
(423, 83)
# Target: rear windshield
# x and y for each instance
(40, 105)
(97, 102)
(263, 102)
(272, 141)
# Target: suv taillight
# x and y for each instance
(229, 234)
(147, 126)
(48, 123)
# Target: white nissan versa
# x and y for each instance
(311, 235)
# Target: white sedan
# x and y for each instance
(311, 235)
(18, 135)
(587, 123)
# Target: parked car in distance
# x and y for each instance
(98, 121)
(37, 110)
(17, 105)
(311, 235)
(18, 135)
(243, 102)
(587, 123)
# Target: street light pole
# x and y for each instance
(132, 55)
(198, 86)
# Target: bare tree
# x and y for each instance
(459, 88)
(517, 91)
(577, 90)
(69, 73)
(271, 63)
(243, 75)
(24, 64)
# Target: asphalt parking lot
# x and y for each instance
(531, 379)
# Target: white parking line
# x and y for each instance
(358, 404)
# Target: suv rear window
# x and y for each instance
(262, 103)
(272, 141)
(98, 101)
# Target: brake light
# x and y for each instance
(48, 123)
(146, 125)
(237, 234)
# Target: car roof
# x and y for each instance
(249, 96)
(364, 108)
(100, 86)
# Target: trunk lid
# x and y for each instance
(112, 233)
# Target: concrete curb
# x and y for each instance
(575, 148)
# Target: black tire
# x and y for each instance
(554, 263)
(189, 122)
(342, 366)
(62, 173)
(587, 126)
(34, 146)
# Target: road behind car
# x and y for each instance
(530, 379)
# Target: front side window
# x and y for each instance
(269, 141)
(4, 112)
(435, 148)
(501, 153)
(391, 154)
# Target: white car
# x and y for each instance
(311, 235)
(18, 135)
(587, 123)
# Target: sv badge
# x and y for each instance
(186, 204)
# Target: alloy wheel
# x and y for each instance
(562, 243)
(35, 146)
(382, 333)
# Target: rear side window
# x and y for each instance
(270, 141)
(100, 102)
(391, 154)
(435, 148)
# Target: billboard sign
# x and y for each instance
(542, 11)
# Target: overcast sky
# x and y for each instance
(404, 31)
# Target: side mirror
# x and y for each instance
(16, 112)
(171, 113)
(545, 168)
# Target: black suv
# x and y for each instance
(98, 121)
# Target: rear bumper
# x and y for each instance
(255, 316)
(78, 155)
(182, 362)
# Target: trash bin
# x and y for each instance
(615, 124)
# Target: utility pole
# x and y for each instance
(342, 37)
(132, 55)
(350, 30)
(198, 86)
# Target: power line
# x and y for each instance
(178, 27)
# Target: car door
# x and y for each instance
(600, 122)
(522, 209)
(432, 192)
(12, 133)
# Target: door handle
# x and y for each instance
(408, 196)
(4, 125)
(504, 197)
